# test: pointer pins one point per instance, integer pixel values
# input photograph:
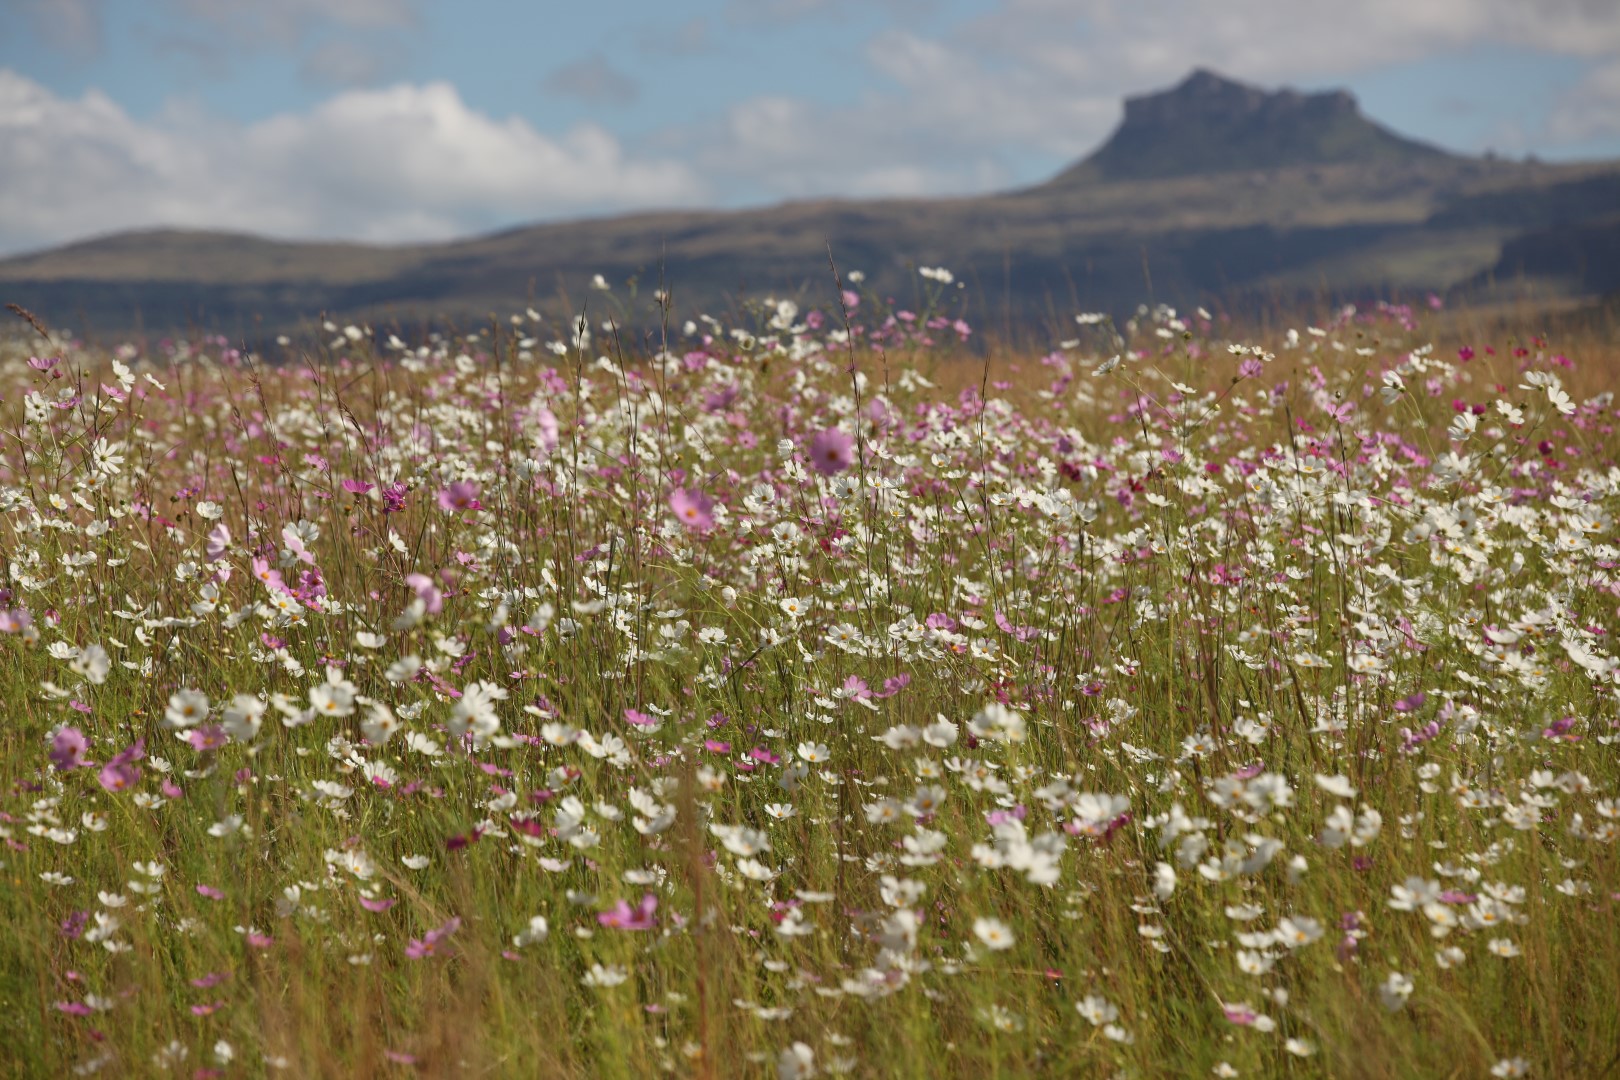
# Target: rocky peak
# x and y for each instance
(1211, 124)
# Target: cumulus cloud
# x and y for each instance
(1030, 85)
(395, 164)
(1590, 109)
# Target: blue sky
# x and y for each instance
(399, 120)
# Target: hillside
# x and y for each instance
(1211, 191)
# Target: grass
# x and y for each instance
(809, 700)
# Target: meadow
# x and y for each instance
(819, 693)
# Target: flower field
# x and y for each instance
(817, 695)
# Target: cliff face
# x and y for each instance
(1208, 124)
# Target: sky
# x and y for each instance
(394, 121)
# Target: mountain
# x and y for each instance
(1210, 192)
(1209, 125)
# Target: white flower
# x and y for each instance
(797, 1062)
(187, 708)
(92, 663)
(604, 977)
(815, 753)
(1297, 931)
(242, 717)
(996, 721)
(1336, 785)
(1394, 991)
(537, 930)
(995, 934)
(1097, 1010)
(379, 725)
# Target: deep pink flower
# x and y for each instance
(68, 749)
(831, 452)
(694, 509)
(624, 917)
(356, 487)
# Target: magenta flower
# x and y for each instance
(831, 452)
(356, 487)
(694, 509)
(120, 773)
(68, 749)
(461, 495)
(625, 917)
(393, 497)
(428, 944)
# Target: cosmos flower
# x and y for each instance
(831, 452)
(693, 509)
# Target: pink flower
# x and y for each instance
(15, 620)
(377, 906)
(461, 495)
(219, 542)
(426, 592)
(831, 452)
(356, 487)
(68, 749)
(269, 575)
(210, 892)
(625, 917)
(120, 773)
(694, 509)
(207, 737)
(428, 944)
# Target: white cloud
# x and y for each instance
(1591, 109)
(394, 164)
(1033, 84)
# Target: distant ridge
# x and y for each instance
(1211, 192)
(1209, 124)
